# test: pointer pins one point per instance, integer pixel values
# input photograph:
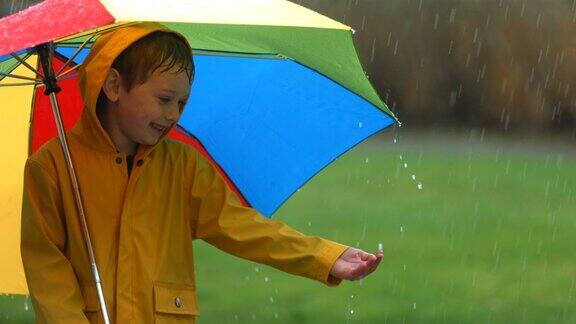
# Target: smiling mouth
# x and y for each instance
(157, 127)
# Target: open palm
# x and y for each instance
(355, 264)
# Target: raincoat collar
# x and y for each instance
(91, 76)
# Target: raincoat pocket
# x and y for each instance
(175, 303)
(91, 304)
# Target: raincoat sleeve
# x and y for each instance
(51, 280)
(224, 223)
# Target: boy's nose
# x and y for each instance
(173, 113)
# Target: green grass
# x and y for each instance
(488, 239)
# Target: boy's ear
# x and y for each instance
(112, 85)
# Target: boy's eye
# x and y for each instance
(164, 99)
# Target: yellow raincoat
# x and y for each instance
(142, 225)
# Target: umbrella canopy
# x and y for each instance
(278, 93)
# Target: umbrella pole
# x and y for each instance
(45, 52)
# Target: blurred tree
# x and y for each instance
(504, 64)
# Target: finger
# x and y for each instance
(371, 259)
(373, 267)
(367, 256)
(367, 268)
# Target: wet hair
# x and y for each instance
(157, 50)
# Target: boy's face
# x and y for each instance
(145, 113)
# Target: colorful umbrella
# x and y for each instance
(278, 94)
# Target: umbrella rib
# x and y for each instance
(75, 67)
(74, 55)
(19, 77)
(67, 77)
(26, 64)
(19, 84)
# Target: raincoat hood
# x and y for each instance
(93, 73)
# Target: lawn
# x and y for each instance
(475, 230)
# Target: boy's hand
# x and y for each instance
(355, 264)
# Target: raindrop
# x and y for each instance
(405, 165)
(401, 229)
(271, 299)
(373, 50)
(256, 269)
(352, 312)
(419, 186)
(395, 141)
(366, 160)
(359, 124)
(452, 15)
(436, 19)
(413, 177)
(380, 247)
(266, 279)
(414, 306)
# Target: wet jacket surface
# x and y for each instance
(142, 225)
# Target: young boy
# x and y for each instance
(145, 198)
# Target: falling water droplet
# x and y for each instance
(405, 165)
(373, 50)
(359, 124)
(419, 185)
(413, 177)
(366, 160)
(352, 312)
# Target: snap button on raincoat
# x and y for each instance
(142, 225)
